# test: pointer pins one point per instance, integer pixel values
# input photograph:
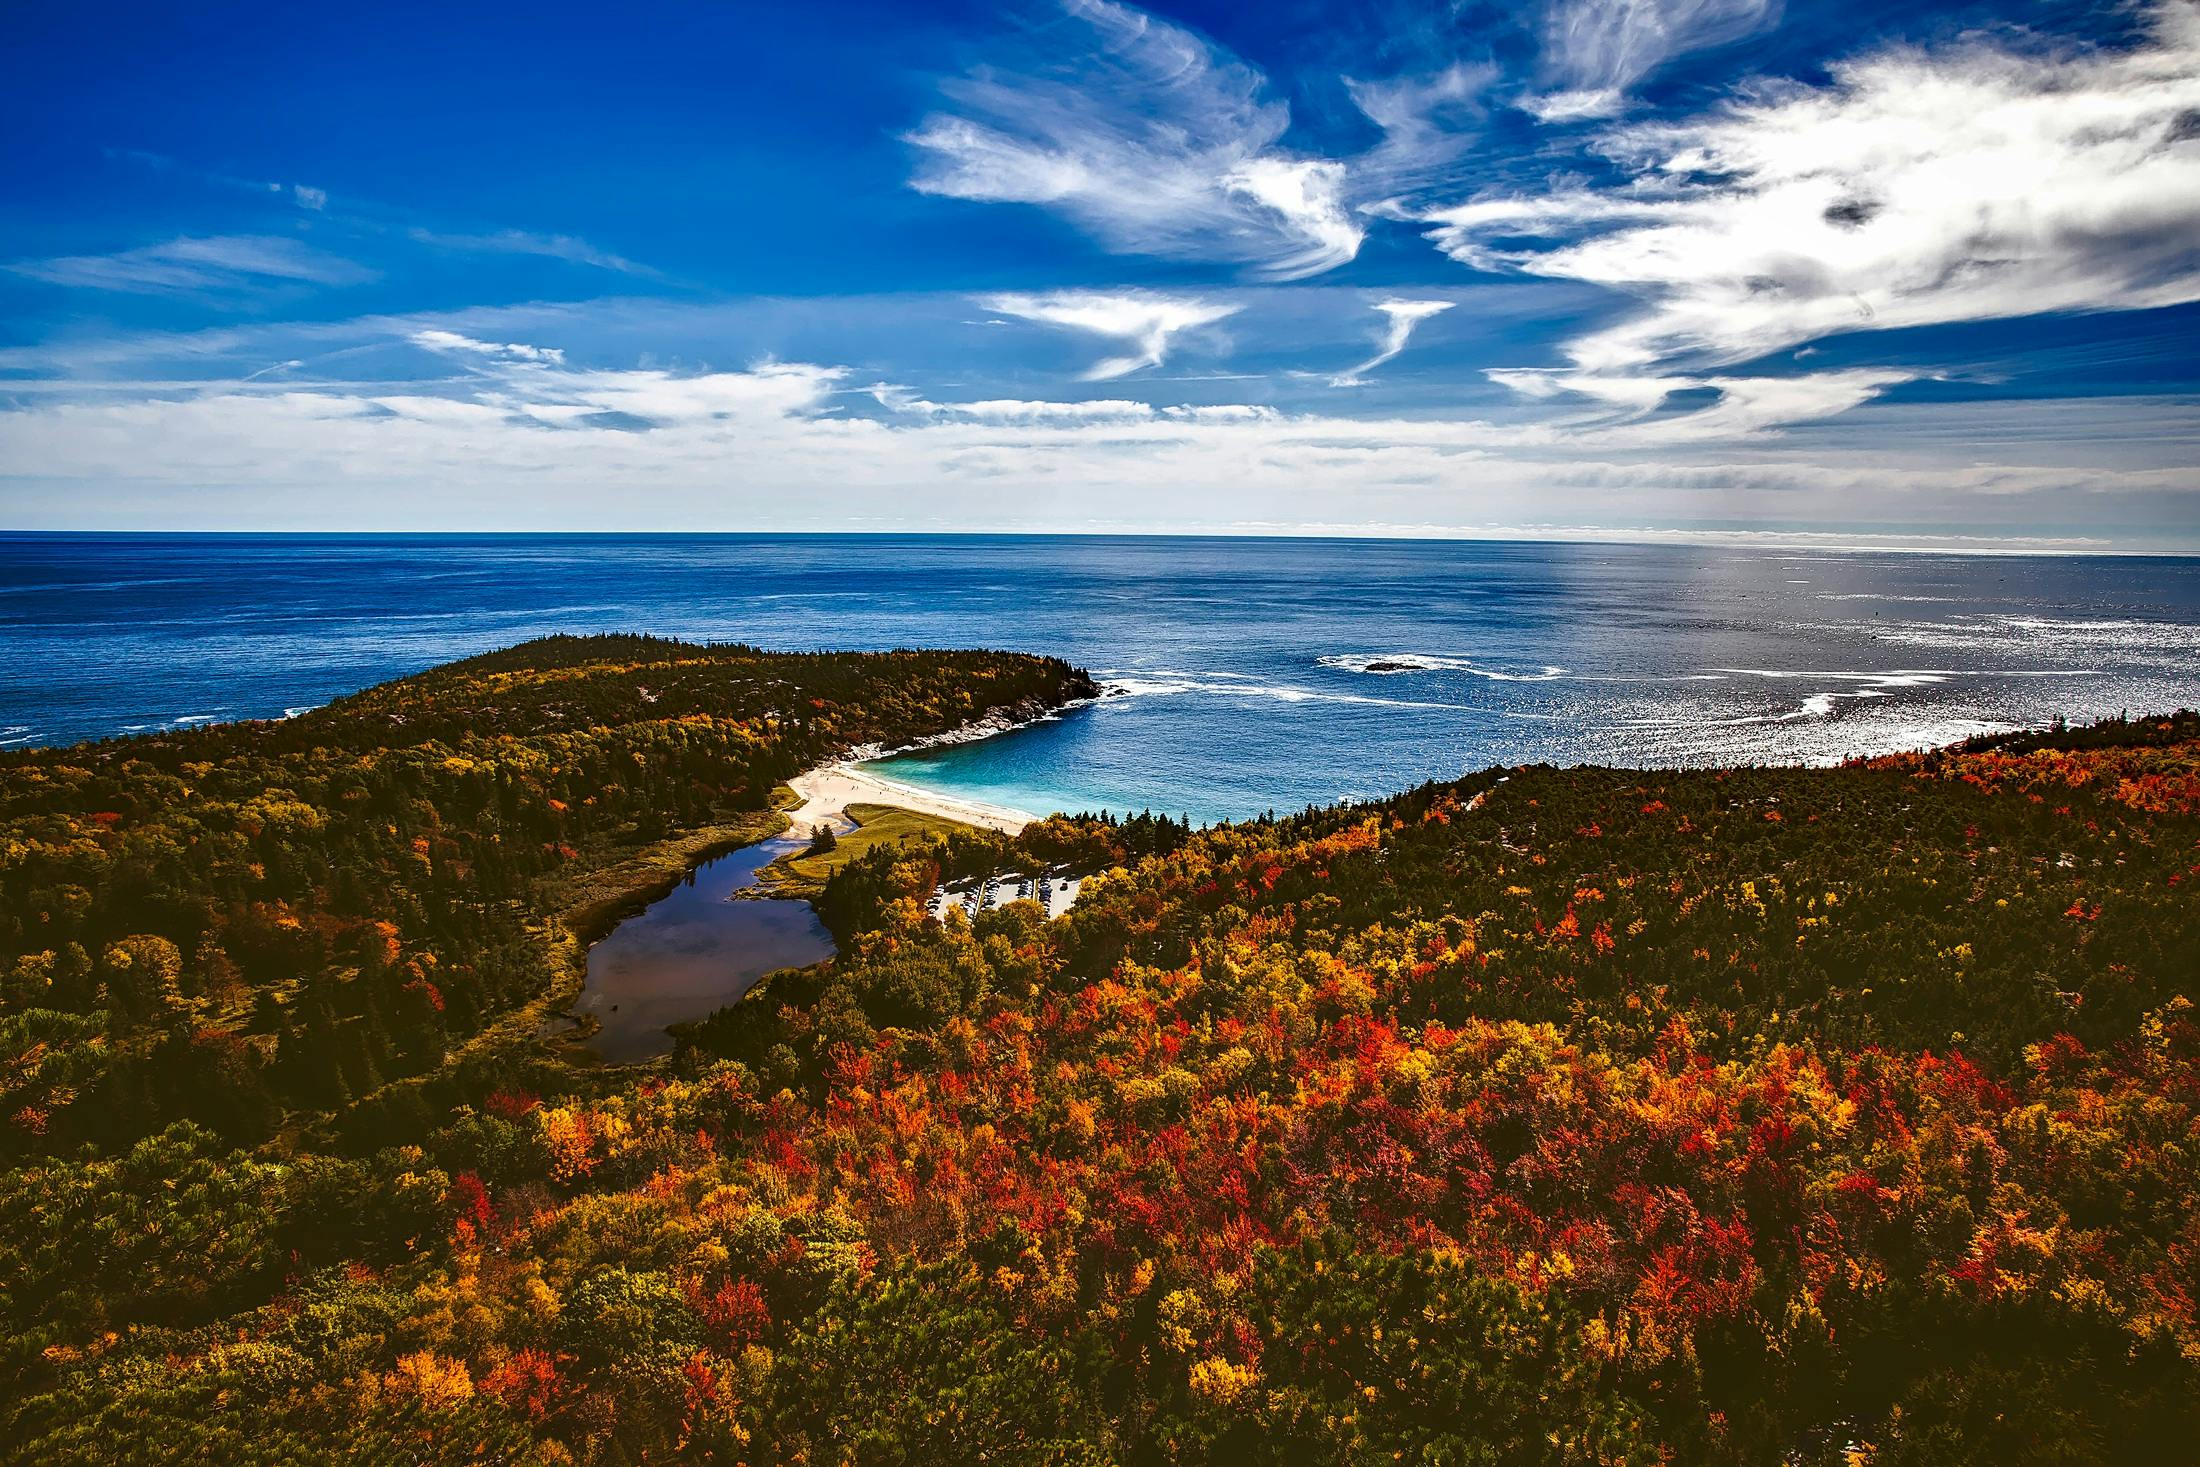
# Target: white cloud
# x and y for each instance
(1916, 188)
(1000, 410)
(309, 197)
(1599, 48)
(1750, 405)
(1404, 316)
(516, 351)
(1008, 410)
(1227, 412)
(774, 392)
(527, 441)
(207, 265)
(1744, 408)
(1634, 394)
(369, 430)
(1147, 321)
(443, 410)
(533, 383)
(525, 242)
(1155, 141)
(1426, 122)
(1308, 196)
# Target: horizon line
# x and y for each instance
(1881, 542)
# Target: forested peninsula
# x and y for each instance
(1814, 1116)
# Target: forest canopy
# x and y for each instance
(1823, 1116)
(252, 925)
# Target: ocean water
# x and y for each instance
(1244, 675)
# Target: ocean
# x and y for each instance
(1243, 674)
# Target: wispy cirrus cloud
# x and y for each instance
(1597, 49)
(1151, 138)
(1916, 188)
(1147, 321)
(1428, 122)
(216, 265)
(1403, 316)
(1659, 269)
(1743, 407)
(531, 385)
(565, 247)
(304, 195)
(370, 219)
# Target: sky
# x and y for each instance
(1839, 273)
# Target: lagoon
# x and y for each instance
(693, 951)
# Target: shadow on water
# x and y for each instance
(692, 952)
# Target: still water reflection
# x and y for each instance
(692, 952)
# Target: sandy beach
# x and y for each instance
(829, 789)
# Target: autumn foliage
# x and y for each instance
(1563, 1116)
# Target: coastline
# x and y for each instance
(830, 788)
(820, 796)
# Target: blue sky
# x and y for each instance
(1871, 273)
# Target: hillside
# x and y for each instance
(1589, 1115)
(261, 926)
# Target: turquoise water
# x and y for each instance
(1246, 674)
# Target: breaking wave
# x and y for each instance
(1162, 684)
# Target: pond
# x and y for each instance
(693, 951)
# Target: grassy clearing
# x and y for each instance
(804, 873)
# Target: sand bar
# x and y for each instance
(828, 790)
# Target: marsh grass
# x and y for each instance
(803, 873)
